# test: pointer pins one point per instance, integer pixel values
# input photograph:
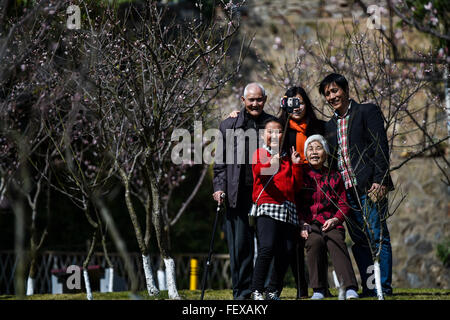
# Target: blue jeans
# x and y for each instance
(376, 233)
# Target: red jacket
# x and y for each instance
(283, 185)
(322, 196)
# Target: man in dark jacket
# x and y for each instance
(233, 175)
(360, 151)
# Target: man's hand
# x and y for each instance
(330, 224)
(377, 192)
(295, 156)
(218, 196)
(234, 114)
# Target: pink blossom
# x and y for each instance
(434, 20)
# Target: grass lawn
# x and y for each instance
(287, 294)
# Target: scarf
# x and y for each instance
(300, 138)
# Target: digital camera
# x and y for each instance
(289, 104)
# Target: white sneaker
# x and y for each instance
(351, 294)
(272, 296)
(256, 295)
(317, 296)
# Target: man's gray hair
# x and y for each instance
(319, 138)
(254, 84)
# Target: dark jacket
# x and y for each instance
(368, 146)
(227, 176)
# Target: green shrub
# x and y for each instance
(443, 252)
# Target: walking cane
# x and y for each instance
(211, 245)
(298, 268)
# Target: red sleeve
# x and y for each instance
(343, 208)
(260, 160)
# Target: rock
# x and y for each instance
(423, 247)
(412, 239)
(413, 280)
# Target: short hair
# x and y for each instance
(336, 78)
(318, 138)
(254, 84)
(273, 119)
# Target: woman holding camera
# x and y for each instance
(302, 124)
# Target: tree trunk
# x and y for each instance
(19, 276)
(149, 279)
(339, 286)
(34, 249)
(30, 286)
(150, 282)
(447, 95)
(158, 224)
(32, 272)
(109, 272)
(85, 267)
(171, 278)
(120, 245)
(376, 267)
(87, 284)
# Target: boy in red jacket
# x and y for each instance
(323, 210)
(276, 178)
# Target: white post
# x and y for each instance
(170, 279)
(378, 279)
(161, 280)
(88, 285)
(110, 279)
(150, 281)
(30, 286)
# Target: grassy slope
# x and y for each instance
(288, 294)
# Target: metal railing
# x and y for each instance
(219, 272)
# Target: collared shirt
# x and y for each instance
(344, 165)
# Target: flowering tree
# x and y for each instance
(29, 86)
(151, 74)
